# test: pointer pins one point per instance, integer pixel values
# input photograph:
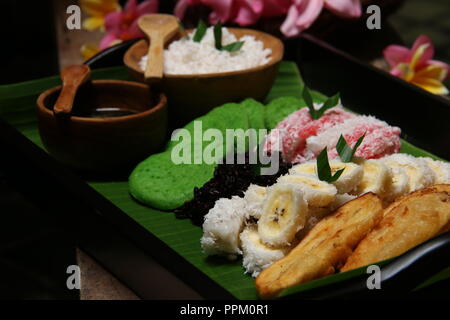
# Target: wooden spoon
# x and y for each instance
(159, 28)
(72, 78)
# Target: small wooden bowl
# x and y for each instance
(104, 144)
(193, 95)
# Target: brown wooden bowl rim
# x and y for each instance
(274, 59)
(162, 103)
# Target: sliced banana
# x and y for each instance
(254, 198)
(320, 212)
(399, 183)
(441, 170)
(256, 255)
(307, 168)
(376, 178)
(285, 211)
(340, 200)
(317, 193)
(315, 214)
(348, 180)
(419, 173)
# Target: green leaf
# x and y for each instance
(200, 32)
(323, 166)
(324, 169)
(329, 103)
(336, 175)
(345, 152)
(309, 102)
(17, 106)
(232, 47)
(358, 143)
(218, 35)
(343, 149)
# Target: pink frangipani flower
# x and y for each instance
(416, 65)
(122, 25)
(242, 12)
(303, 13)
(300, 13)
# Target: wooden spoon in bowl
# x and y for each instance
(72, 78)
(159, 28)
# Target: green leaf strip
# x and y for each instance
(232, 47)
(329, 103)
(218, 35)
(324, 169)
(200, 32)
(345, 152)
(336, 175)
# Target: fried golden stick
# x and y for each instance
(417, 217)
(435, 188)
(325, 247)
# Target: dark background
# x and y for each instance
(34, 254)
(28, 40)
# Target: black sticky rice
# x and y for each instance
(228, 180)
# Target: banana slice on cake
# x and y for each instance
(419, 173)
(256, 255)
(348, 180)
(340, 200)
(284, 212)
(317, 193)
(399, 185)
(441, 170)
(254, 198)
(307, 168)
(376, 177)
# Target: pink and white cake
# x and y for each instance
(300, 138)
(290, 135)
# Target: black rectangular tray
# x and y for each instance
(152, 269)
